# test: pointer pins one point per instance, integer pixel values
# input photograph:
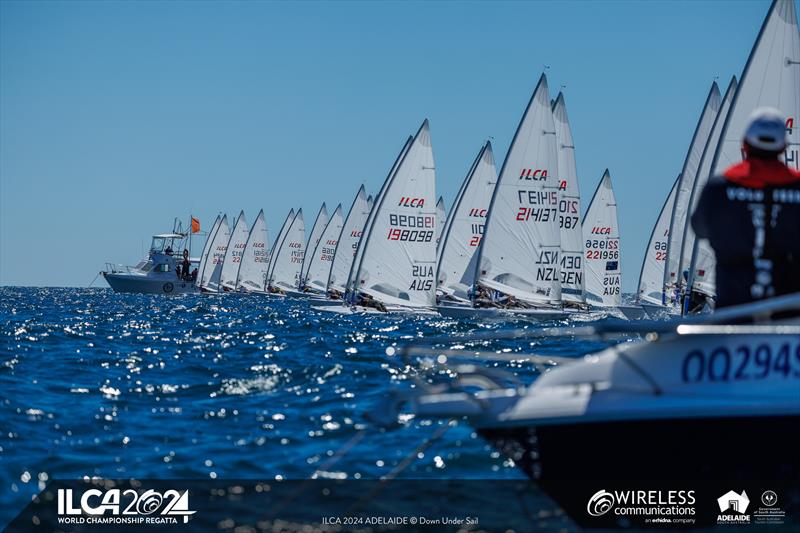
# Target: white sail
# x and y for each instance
(352, 282)
(601, 245)
(288, 259)
(703, 173)
(321, 259)
(216, 257)
(252, 273)
(441, 217)
(464, 228)
(206, 248)
(680, 210)
(569, 208)
(651, 277)
(399, 258)
(233, 254)
(519, 253)
(347, 245)
(771, 78)
(316, 232)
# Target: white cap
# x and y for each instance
(766, 130)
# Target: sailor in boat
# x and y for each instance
(185, 267)
(750, 216)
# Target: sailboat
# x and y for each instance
(569, 210)
(397, 254)
(347, 244)
(206, 250)
(771, 78)
(313, 240)
(320, 259)
(441, 217)
(455, 272)
(703, 173)
(651, 278)
(517, 269)
(209, 277)
(252, 273)
(288, 255)
(233, 254)
(673, 270)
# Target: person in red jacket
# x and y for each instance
(751, 217)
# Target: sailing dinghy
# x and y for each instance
(455, 271)
(252, 274)
(602, 253)
(316, 233)
(347, 245)
(209, 277)
(395, 263)
(321, 258)
(569, 211)
(518, 265)
(233, 254)
(673, 278)
(287, 260)
(771, 78)
(651, 278)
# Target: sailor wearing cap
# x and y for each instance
(751, 217)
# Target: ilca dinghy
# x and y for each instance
(233, 255)
(651, 294)
(397, 254)
(455, 269)
(287, 260)
(672, 274)
(252, 273)
(517, 266)
(321, 258)
(211, 269)
(346, 246)
(569, 212)
(316, 233)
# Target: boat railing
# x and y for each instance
(116, 268)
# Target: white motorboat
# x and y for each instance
(158, 273)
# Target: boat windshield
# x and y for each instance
(166, 243)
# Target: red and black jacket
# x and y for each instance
(751, 217)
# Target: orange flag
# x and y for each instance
(195, 225)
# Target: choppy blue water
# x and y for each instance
(94, 383)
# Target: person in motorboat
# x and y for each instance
(751, 215)
(186, 267)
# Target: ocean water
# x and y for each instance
(94, 383)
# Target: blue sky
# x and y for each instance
(115, 117)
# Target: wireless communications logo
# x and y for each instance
(650, 506)
(115, 506)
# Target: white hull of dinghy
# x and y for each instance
(133, 283)
(656, 312)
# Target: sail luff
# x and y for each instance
(602, 247)
(252, 273)
(348, 241)
(233, 253)
(651, 276)
(206, 248)
(287, 223)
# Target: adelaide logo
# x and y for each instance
(733, 508)
(600, 503)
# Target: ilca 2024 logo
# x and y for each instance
(116, 506)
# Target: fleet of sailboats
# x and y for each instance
(515, 242)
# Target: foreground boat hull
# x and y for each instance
(148, 285)
(752, 448)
